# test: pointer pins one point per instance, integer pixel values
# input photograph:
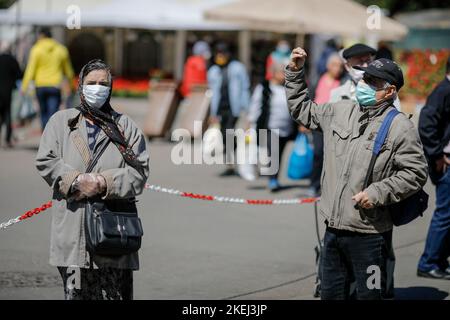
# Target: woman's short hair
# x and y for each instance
(334, 56)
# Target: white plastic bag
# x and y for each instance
(248, 152)
(27, 110)
(212, 141)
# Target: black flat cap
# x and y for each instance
(385, 69)
(358, 49)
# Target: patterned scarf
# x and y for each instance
(368, 113)
(105, 121)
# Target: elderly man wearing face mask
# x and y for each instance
(70, 140)
(358, 235)
(358, 55)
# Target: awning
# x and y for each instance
(340, 17)
(142, 14)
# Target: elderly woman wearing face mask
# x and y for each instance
(68, 143)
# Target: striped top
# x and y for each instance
(92, 133)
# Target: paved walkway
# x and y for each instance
(192, 249)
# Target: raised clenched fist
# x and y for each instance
(298, 57)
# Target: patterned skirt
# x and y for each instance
(97, 284)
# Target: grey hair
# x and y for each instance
(201, 48)
(387, 84)
(334, 56)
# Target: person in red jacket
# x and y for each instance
(280, 55)
(195, 67)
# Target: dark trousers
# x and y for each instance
(5, 116)
(318, 159)
(437, 246)
(282, 142)
(350, 256)
(227, 121)
(49, 100)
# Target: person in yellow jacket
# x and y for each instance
(48, 63)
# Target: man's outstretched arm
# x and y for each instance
(302, 108)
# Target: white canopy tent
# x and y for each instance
(143, 14)
(176, 15)
(341, 17)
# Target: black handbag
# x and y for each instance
(112, 227)
(407, 209)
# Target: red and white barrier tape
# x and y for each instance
(230, 199)
(26, 215)
(156, 188)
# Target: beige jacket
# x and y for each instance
(64, 154)
(349, 133)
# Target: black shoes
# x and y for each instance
(434, 274)
(228, 173)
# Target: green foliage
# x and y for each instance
(4, 4)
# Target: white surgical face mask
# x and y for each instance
(95, 95)
(355, 74)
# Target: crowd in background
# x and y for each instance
(265, 106)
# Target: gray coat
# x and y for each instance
(64, 154)
(349, 134)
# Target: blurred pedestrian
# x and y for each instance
(280, 56)
(47, 64)
(195, 68)
(384, 51)
(434, 130)
(330, 79)
(330, 49)
(268, 110)
(327, 82)
(358, 55)
(358, 226)
(70, 140)
(9, 73)
(230, 85)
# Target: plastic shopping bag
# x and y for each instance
(212, 141)
(301, 159)
(27, 111)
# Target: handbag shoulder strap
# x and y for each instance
(379, 140)
(97, 155)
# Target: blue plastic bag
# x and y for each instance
(301, 159)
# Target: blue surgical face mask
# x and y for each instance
(283, 49)
(365, 94)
